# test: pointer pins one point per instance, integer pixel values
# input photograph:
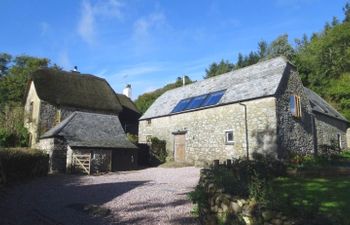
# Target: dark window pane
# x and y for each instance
(213, 98)
(181, 105)
(196, 102)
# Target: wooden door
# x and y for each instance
(180, 147)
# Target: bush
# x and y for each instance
(19, 164)
(158, 151)
(12, 131)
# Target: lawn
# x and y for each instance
(325, 198)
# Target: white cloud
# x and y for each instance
(44, 28)
(144, 26)
(92, 13)
(136, 70)
(64, 60)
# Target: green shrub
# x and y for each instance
(19, 164)
(158, 151)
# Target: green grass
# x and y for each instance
(173, 164)
(329, 197)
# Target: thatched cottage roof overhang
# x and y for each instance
(72, 89)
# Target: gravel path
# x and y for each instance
(149, 196)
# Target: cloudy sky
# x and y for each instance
(148, 43)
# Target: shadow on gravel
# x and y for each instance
(62, 200)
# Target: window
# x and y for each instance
(213, 98)
(181, 105)
(31, 113)
(295, 106)
(339, 141)
(198, 101)
(149, 122)
(58, 117)
(229, 137)
(149, 138)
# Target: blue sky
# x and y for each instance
(148, 43)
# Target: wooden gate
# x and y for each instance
(82, 163)
(180, 147)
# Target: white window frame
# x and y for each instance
(229, 142)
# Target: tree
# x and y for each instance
(215, 69)
(262, 49)
(5, 59)
(143, 102)
(281, 47)
(15, 77)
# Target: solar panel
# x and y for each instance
(196, 102)
(213, 98)
(181, 105)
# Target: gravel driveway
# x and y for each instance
(149, 196)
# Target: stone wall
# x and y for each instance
(219, 207)
(101, 159)
(57, 150)
(294, 134)
(327, 130)
(205, 130)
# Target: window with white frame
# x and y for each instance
(229, 137)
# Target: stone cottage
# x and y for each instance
(262, 108)
(54, 95)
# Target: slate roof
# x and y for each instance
(259, 80)
(83, 129)
(319, 105)
(85, 91)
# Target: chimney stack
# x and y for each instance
(183, 80)
(75, 70)
(127, 91)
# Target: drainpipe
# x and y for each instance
(246, 128)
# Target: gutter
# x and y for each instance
(246, 128)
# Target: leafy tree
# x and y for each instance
(143, 102)
(281, 47)
(5, 59)
(15, 77)
(215, 69)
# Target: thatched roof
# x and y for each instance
(84, 91)
(128, 103)
(91, 130)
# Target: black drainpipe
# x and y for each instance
(246, 128)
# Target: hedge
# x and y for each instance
(20, 164)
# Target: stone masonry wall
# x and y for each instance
(101, 159)
(294, 134)
(328, 129)
(57, 150)
(205, 130)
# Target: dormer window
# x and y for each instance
(295, 106)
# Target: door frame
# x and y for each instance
(174, 143)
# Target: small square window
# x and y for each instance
(149, 122)
(148, 138)
(229, 137)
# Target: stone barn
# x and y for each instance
(89, 143)
(262, 108)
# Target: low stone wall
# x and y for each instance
(223, 208)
